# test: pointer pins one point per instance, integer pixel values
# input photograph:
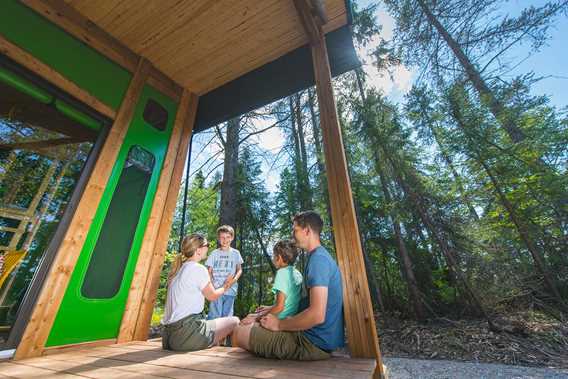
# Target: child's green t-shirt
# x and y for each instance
(289, 281)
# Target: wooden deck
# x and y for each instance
(148, 360)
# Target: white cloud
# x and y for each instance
(399, 81)
(272, 139)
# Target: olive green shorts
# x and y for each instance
(189, 334)
(284, 345)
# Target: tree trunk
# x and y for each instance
(376, 294)
(497, 108)
(419, 205)
(317, 143)
(405, 262)
(446, 157)
(264, 251)
(515, 219)
(228, 211)
(260, 283)
(300, 155)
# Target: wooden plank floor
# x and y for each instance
(148, 360)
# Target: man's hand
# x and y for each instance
(263, 309)
(270, 322)
(252, 317)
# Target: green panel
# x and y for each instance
(25, 86)
(78, 62)
(80, 319)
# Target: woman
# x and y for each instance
(189, 284)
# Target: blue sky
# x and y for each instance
(551, 62)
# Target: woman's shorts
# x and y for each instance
(188, 334)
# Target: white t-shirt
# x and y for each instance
(184, 293)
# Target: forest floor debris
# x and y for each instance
(542, 342)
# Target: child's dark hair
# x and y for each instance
(287, 250)
(309, 219)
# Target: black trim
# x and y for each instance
(32, 293)
(349, 8)
(275, 80)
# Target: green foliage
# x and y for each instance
(474, 206)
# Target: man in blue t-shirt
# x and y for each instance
(316, 331)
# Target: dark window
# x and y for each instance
(155, 115)
(44, 150)
(106, 268)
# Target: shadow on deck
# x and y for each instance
(148, 360)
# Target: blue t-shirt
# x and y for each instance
(322, 271)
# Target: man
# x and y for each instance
(316, 331)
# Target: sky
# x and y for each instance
(551, 63)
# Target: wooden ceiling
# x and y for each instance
(203, 44)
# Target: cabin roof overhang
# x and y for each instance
(237, 55)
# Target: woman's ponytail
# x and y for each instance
(189, 246)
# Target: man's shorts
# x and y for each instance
(189, 334)
(284, 345)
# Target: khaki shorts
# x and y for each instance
(284, 345)
(189, 334)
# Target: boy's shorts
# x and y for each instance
(189, 334)
(222, 307)
(284, 345)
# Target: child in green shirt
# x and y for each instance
(287, 284)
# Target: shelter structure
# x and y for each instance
(98, 103)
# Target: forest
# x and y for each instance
(460, 187)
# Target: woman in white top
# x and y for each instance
(189, 284)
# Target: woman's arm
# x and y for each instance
(211, 293)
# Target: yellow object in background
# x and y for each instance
(11, 261)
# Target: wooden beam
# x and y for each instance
(305, 13)
(33, 64)
(34, 145)
(74, 23)
(318, 10)
(161, 241)
(78, 346)
(358, 309)
(42, 317)
(145, 257)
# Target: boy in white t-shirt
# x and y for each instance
(225, 269)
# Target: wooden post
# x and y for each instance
(43, 315)
(161, 240)
(361, 330)
(139, 279)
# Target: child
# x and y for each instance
(287, 284)
(189, 284)
(224, 265)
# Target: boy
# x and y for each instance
(287, 284)
(224, 266)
